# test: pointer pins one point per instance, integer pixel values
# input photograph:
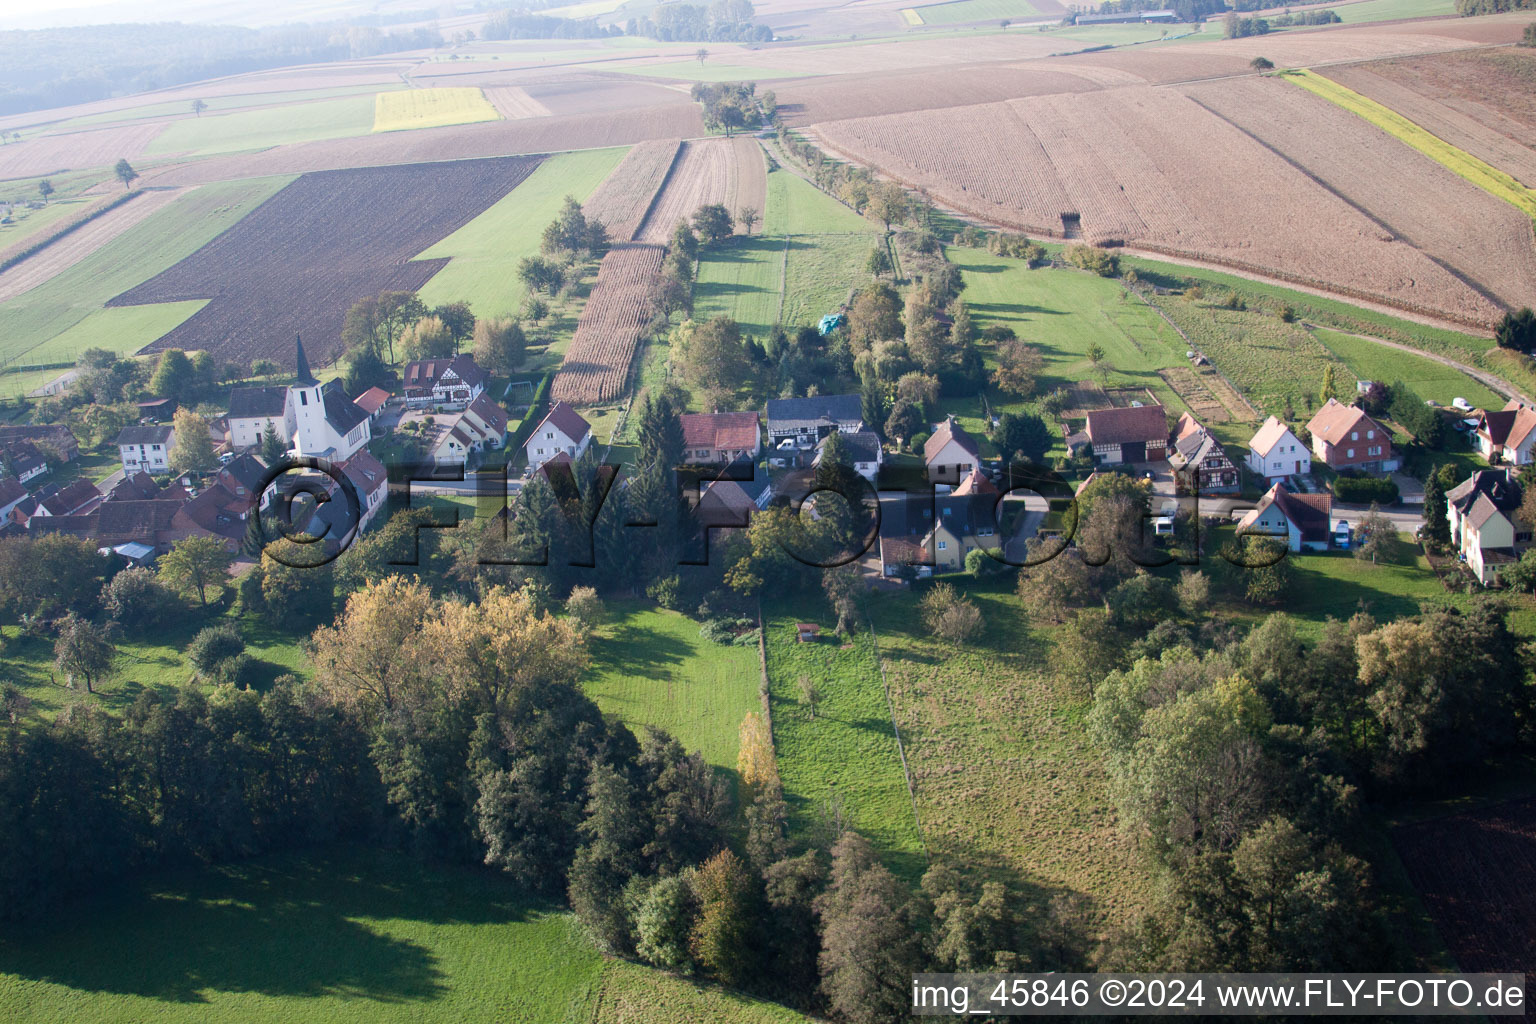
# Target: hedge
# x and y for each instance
(1362, 490)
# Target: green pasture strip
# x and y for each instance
(243, 130)
(1429, 379)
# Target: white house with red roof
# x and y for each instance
(443, 383)
(1274, 452)
(1299, 521)
(1508, 435)
(562, 430)
(720, 438)
(1135, 433)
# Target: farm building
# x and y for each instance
(146, 448)
(1344, 437)
(719, 438)
(950, 453)
(864, 445)
(562, 431)
(1202, 459)
(1136, 433)
(1274, 452)
(54, 438)
(808, 420)
(1508, 435)
(251, 409)
(443, 383)
(1300, 521)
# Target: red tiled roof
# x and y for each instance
(1334, 421)
(1268, 435)
(491, 414)
(946, 432)
(726, 431)
(1130, 424)
(372, 400)
(567, 420)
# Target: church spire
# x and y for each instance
(306, 379)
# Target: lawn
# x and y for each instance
(961, 11)
(1338, 584)
(1485, 176)
(651, 667)
(405, 109)
(846, 752)
(31, 322)
(741, 277)
(335, 935)
(483, 254)
(339, 118)
(821, 273)
(1429, 379)
(796, 207)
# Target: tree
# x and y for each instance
(746, 217)
(1088, 648)
(273, 447)
(45, 189)
(660, 432)
(193, 450)
(1018, 368)
(888, 203)
(1262, 64)
(365, 369)
(265, 368)
(1517, 330)
(541, 274)
(135, 597)
(500, 345)
(458, 318)
(919, 388)
(217, 652)
(712, 356)
(701, 54)
(842, 586)
(879, 262)
(1051, 587)
(1529, 38)
(1437, 526)
(870, 944)
(1023, 436)
(1376, 535)
(905, 420)
(722, 939)
(1330, 388)
(585, 608)
(174, 376)
(427, 338)
(1096, 358)
(125, 172)
(950, 615)
(83, 649)
(713, 222)
(198, 106)
(195, 564)
(664, 918)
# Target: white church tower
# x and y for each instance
(328, 425)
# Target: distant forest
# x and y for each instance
(1469, 7)
(60, 66)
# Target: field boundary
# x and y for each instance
(650, 208)
(901, 749)
(68, 227)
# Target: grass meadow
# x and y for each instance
(53, 322)
(1431, 380)
(962, 11)
(336, 935)
(219, 104)
(263, 128)
(405, 109)
(483, 254)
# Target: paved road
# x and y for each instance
(1407, 518)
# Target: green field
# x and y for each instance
(693, 71)
(33, 324)
(336, 935)
(740, 277)
(263, 128)
(961, 11)
(1391, 10)
(26, 224)
(483, 254)
(651, 667)
(796, 207)
(1431, 380)
(847, 751)
(180, 108)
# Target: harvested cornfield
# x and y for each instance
(1482, 239)
(1152, 168)
(513, 102)
(728, 171)
(596, 365)
(297, 263)
(624, 197)
(50, 154)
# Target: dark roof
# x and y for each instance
(138, 487)
(301, 364)
(11, 490)
(1482, 510)
(425, 373)
(153, 433)
(56, 434)
(1503, 491)
(1130, 424)
(816, 410)
(863, 445)
(218, 510)
(493, 415)
(254, 403)
(946, 432)
(244, 472)
(965, 514)
(365, 472)
(340, 412)
(70, 497)
(1309, 513)
(469, 371)
(567, 420)
(1199, 446)
(122, 521)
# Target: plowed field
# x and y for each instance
(49, 154)
(596, 365)
(625, 196)
(728, 171)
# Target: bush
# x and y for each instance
(1087, 257)
(216, 653)
(1358, 489)
(136, 597)
(667, 592)
(919, 439)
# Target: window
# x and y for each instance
(541, 451)
(303, 397)
(943, 544)
(549, 435)
(1370, 435)
(154, 447)
(985, 531)
(1349, 453)
(1279, 464)
(1375, 450)
(1354, 435)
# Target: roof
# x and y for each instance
(1482, 510)
(340, 413)
(244, 472)
(807, 627)
(730, 431)
(53, 433)
(425, 373)
(1510, 426)
(863, 445)
(975, 482)
(491, 414)
(1186, 426)
(258, 403)
(153, 433)
(366, 472)
(1130, 424)
(1496, 484)
(123, 521)
(218, 511)
(1268, 435)
(946, 432)
(370, 401)
(138, 487)
(1310, 514)
(469, 371)
(964, 515)
(814, 410)
(71, 497)
(566, 420)
(301, 364)
(11, 490)
(1197, 447)
(1334, 421)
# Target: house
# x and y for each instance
(1484, 526)
(327, 424)
(252, 409)
(142, 487)
(146, 448)
(372, 402)
(485, 423)
(1344, 437)
(1136, 433)
(950, 453)
(720, 438)
(864, 448)
(12, 493)
(443, 383)
(804, 421)
(368, 476)
(1274, 452)
(451, 445)
(1202, 460)
(23, 460)
(74, 498)
(1300, 521)
(561, 430)
(54, 439)
(243, 476)
(962, 523)
(1508, 435)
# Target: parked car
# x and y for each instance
(1341, 534)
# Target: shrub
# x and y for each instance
(585, 607)
(667, 592)
(919, 439)
(1358, 489)
(1087, 257)
(217, 653)
(136, 597)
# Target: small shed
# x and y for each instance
(807, 632)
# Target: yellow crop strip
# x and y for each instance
(430, 108)
(913, 18)
(1485, 176)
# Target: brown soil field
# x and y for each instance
(513, 102)
(528, 136)
(596, 366)
(1478, 237)
(49, 154)
(1153, 165)
(729, 171)
(81, 242)
(624, 197)
(808, 101)
(1476, 873)
(1202, 403)
(601, 95)
(1499, 127)
(297, 263)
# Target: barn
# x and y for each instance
(1137, 433)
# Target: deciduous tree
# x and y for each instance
(194, 564)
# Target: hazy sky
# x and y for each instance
(49, 13)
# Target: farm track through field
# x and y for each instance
(74, 246)
(596, 366)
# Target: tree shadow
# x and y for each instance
(632, 651)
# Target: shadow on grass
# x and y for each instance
(632, 651)
(286, 926)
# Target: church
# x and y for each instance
(317, 420)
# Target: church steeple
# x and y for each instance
(306, 379)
